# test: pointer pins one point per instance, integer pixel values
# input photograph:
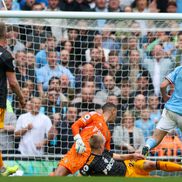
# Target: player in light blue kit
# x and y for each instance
(172, 112)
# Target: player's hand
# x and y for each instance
(22, 103)
(137, 156)
(79, 145)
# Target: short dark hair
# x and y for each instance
(108, 106)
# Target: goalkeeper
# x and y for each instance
(90, 123)
(103, 163)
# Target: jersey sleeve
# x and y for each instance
(172, 76)
(9, 61)
(81, 123)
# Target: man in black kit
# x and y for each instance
(104, 163)
(7, 73)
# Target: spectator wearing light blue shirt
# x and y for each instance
(145, 123)
(41, 56)
(172, 113)
(51, 69)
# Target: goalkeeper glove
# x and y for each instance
(80, 146)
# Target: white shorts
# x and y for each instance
(169, 121)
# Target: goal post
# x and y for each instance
(100, 57)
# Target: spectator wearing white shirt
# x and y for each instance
(33, 129)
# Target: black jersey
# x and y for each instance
(6, 65)
(103, 165)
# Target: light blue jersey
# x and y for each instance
(175, 102)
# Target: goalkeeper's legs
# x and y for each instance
(1, 161)
(148, 165)
(61, 171)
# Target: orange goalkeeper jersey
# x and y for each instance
(89, 124)
(92, 123)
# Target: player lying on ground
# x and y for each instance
(102, 162)
(172, 113)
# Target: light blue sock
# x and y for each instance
(151, 143)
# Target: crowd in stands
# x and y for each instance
(65, 73)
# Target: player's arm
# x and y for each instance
(163, 88)
(80, 123)
(15, 87)
(134, 156)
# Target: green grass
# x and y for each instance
(88, 179)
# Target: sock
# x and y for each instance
(168, 166)
(151, 143)
(1, 161)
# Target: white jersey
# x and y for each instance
(41, 126)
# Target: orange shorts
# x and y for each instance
(2, 113)
(74, 161)
(135, 168)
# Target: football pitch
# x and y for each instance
(88, 179)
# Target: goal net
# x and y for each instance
(71, 66)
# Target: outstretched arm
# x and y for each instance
(134, 156)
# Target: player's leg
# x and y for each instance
(8, 170)
(165, 124)
(61, 171)
(161, 165)
(152, 142)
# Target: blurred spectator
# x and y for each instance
(38, 7)
(36, 38)
(139, 105)
(33, 130)
(42, 55)
(66, 91)
(63, 140)
(125, 100)
(128, 138)
(114, 6)
(158, 67)
(10, 5)
(170, 146)
(171, 7)
(14, 44)
(86, 102)
(51, 105)
(91, 3)
(109, 40)
(136, 71)
(140, 6)
(82, 42)
(145, 123)
(23, 72)
(114, 68)
(109, 88)
(53, 5)
(51, 69)
(143, 86)
(97, 44)
(127, 9)
(28, 5)
(87, 72)
(153, 104)
(67, 45)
